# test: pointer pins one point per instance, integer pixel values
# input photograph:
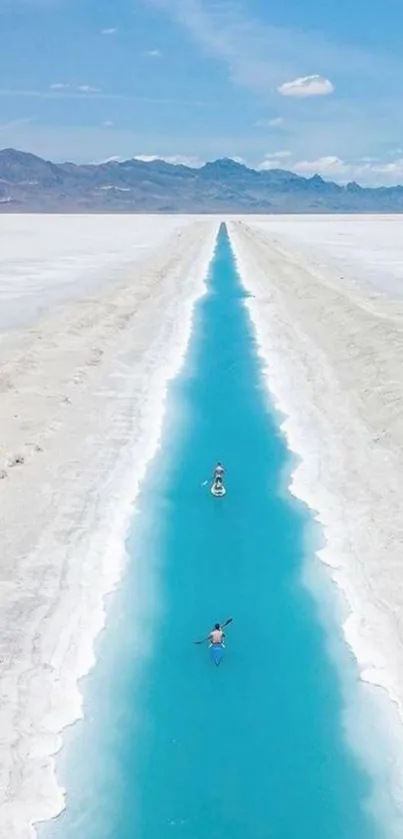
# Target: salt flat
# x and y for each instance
(368, 248)
(83, 383)
(333, 343)
(47, 259)
(95, 318)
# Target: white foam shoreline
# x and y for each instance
(83, 403)
(333, 349)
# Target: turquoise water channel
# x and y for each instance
(171, 745)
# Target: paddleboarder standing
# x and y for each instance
(218, 474)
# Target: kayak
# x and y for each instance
(218, 490)
(217, 652)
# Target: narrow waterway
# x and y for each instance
(171, 745)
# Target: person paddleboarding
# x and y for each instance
(219, 472)
(218, 475)
(217, 634)
(216, 641)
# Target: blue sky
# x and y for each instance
(314, 86)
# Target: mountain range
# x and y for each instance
(30, 184)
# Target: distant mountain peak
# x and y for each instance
(227, 164)
(30, 184)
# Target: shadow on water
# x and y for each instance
(171, 745)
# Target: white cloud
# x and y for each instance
(108, 123)
(175, 159)
(148, 158)
(113, 159)
(282, 154)
(259, 58)
(394, 169)
(270, 122)
(329, 165)
(153, 53)
(83, 88)
(269, 163)
(377, 173)
(275, 160)
(367, 171)
(306, 86)
(326, 165)
(96, 93)
(86, 88)
(111, 31)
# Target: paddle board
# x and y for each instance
(218, 490)
(217, 652)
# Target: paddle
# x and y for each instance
(229, 620)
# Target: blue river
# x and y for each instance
(172, 746)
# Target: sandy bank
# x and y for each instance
(82, 395)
